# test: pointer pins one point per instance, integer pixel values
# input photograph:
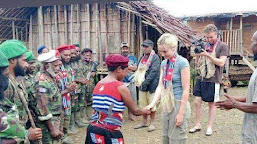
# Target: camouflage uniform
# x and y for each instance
(79, 69)
(10, 130)
(89, 88)
(13, 93)
(47, 105)
(28, 81)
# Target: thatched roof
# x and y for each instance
(160, 19)
(151, 14)
(18, 16)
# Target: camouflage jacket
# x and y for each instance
(10, 129)
(78, 67)
(47, 97)
(88, 67)
(13, 93)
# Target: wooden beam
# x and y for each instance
(17, 33)
(40, 26)
(71, 24)
(133, 45)
(129, 29)
(141, 36)
(13, 19)
(13, 30)
(230, 30)
(30, 33)
(66, 25)
(89, 26)
(106, 29)
(56, 27)
(241, 34)
(78, 24)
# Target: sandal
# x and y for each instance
(194, 130)
(140, 126)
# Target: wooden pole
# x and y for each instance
(98, 35)
(65, 25)
(230, 29)
(50, 34)
(241, 34)
(129, 30)
(71, 24)
(17, 33)
(141, 35)
(119, 31)
(30, 33)
(106, 29)
(40, 26)
(78, 24)
(89, 26)
(133, 46)
(13, 30)
(56, 27)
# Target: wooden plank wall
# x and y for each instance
(101, 27)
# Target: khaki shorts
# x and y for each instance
(145, 98)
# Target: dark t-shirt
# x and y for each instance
(221, 50)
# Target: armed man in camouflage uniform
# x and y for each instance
(12, 110)
(48, 101)
(90, 74)
(68, 79)
(29, 78)
(80, 79)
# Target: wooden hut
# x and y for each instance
(99, 26)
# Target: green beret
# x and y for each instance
(76, 45)
(13, 48)
(29, 56)
(3, 60)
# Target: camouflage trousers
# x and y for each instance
(47, 138)
(88, 95)
(74, 102)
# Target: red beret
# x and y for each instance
(63, 47)
(72, 47)
(116, 60)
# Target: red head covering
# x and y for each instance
(72, 46)
(63, 47)
(116, 60)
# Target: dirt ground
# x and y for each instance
(226, 127)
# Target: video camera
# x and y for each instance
(199, 45)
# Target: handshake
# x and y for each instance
(147, 110)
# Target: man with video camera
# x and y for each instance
(210, 60)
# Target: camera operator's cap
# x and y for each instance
(124, 44)
(48, 57)
(13, 48)
(147, 43)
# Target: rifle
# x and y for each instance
(24, 103)
(95, 64)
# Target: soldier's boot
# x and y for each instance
(83, 115)
(66, 125)
(78, 120)
(89, 112)
(72, 123)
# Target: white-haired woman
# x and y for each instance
(173, 91)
